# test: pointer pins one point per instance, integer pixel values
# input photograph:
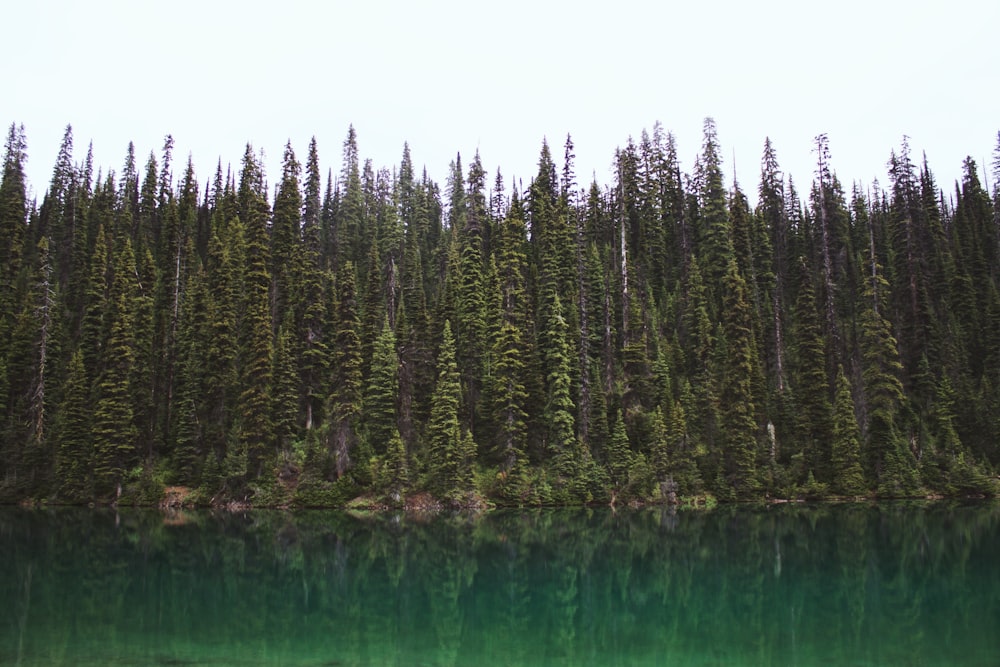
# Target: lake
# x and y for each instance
(829, 584)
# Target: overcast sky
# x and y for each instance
(452, 76)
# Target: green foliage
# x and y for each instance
(648, 341)
(736, 394)
(114, 431)
(889, 458)
(845, 457)
(395, 477)
(73, 435)
(381, 393)
(809, 378)
(508, 393)
(451, 453)
(256, 433)
(346, 397)
(619, 455)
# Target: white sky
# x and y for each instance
(452, 76)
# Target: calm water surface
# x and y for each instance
(895, 584)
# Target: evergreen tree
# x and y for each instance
(143, 380)
(683, 468)
(285, 391)
(286, 239)
(351, 224)
(845, 457)
(347, 387)
(397, 468)
(619, 457)
(194, 416)
(659, 455)
(889, 460)
(698, 340)
(381, 393)
(561, 440)
(13, 225)
(221, 341)
(114, 430)
(92, 328)
(771, 210)
(448, 460)
(314, 356)
(257, 347)
(812, 392)
(471, 296)
(415, 353)
(373, 308)
(736, 396)
(714, 224)
(508, 393)
(831, 218)
(73, 435)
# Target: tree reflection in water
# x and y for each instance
(902, 583)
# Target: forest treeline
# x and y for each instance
(371, 333)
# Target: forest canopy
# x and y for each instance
(369, 333)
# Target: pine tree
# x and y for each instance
(286, 239)
(561, 440)
(92, 327)
(351, 225)
(908, 238)
(57, 217)
(888, 459)
(812, 392)
(736, 395)
(471, 296)
(636, 371)
(845, 456)
(552, 234)
(715, 235)
(143, 380)
(415, 353)
(831, 218)
(31, 378)
(447, 459)
(659, 456)
(13, 225)
(598, 429)
(194, 416)
(619, 457)
(346, 398)
(373, 307)
(257, 347)
(313, 338)
(72, 435)
(508, 393)
(175, 254)
(381, 393)
(683, 467)
(397, 468)
(114, 430)
(13, 235)
(698, 341)
(772, 212)
(222, 341)
(285, 391)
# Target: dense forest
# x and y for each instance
(369, 334)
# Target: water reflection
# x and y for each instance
(832, 584)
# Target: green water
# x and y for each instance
(896, 584)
